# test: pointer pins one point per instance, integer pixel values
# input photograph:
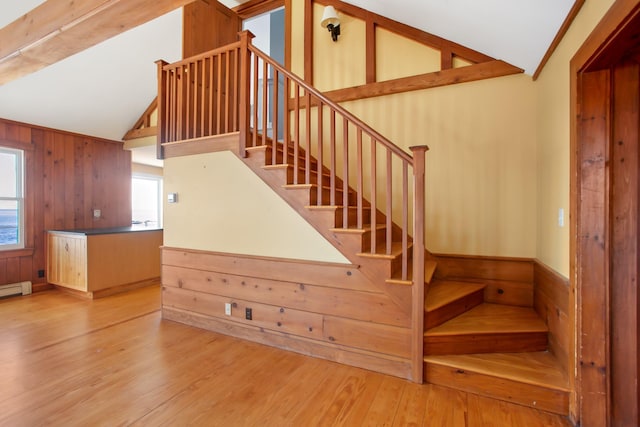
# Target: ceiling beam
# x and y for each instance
(58, 29)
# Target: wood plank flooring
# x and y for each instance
(115, 362)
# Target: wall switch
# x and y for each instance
(227, 309)
(560, 217)
(172, 198)
(97, 213)
(248, 314)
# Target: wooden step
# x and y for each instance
(364, 235)
(288, 172)
(448, 299)
(532, 379)
(337, 215)
(325, 194)
(429, 270)
(488, 328)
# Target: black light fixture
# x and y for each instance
(331, 22)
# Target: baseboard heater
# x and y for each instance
(20, 288)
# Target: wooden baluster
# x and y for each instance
(332, 153)
(320, 153)
(196, 92)
(374, 194)
(417, 290)
(245, 66)
(187, 102)
(163, 119)
(203, 99)
(275, 115)
(179, 104)
(236, 91)
(359, 164)
(227, 92)
(389, 209)
(307, 155)
(212, 86)
(405, 219)
(345, 173)
(296, 118)
(219, 95)
(174, 106)
(265, 101)
(287, 120)
(254, 83)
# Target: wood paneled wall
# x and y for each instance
(206, 26)
(67, 177)
(326, 310)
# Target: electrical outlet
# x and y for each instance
(227, 309)
(560, 217)
(248, 314)
(97, 213)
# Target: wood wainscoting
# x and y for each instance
(326, 310)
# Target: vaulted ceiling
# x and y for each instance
(102, 90)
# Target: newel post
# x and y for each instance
(162, 108)
(417, 290)
(245, 90)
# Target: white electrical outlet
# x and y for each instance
(97, 213)
(227, 309)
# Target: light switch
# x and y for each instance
(172, 198)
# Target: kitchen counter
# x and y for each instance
(104, 261)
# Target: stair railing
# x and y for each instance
(348, 147)
(239, 89)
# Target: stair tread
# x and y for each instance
(381, 251)
(443, 292)
(429, 269)
(536, 368)
(491, 319)
(334, 207)
(354, 230)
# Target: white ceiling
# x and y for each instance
(104, 90)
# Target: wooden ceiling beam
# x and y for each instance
(58, 29)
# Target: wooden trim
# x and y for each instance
(508, 280)
(588, 272)
(370, 49)
(140, 133)
(14, 253)
(313, 272)
(57, 29)
(308, 41)
(338, 353)
(451, 76)
(288, 29)
(207, 144)
(575, 9)
(551, 300)
(47, 129)
(253, 8)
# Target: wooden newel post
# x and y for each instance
(417, 293)
(162, 108)
(245, 90)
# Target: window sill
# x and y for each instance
(15, 253)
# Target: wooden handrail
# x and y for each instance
(238, 89)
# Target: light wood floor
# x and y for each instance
(113, 361)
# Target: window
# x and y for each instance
(11, 198)
(146, 200)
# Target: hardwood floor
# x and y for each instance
(113, 361)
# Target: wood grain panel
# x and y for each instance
(551, 302)
(372, 336)
(208, 25)
(67, 176)
(319, 299)
(345, 276)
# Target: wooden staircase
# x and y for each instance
(495, 350)
(332, 168)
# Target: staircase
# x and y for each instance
(357, 189)
(495, 350)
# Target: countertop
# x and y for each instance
(111, 230)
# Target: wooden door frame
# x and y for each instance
(589, 250)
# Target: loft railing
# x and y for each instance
(239, 89)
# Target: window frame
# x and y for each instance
(19, 198)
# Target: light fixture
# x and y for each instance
(331, 22)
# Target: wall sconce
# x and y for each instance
(331, 22)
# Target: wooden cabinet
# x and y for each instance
(103, 262)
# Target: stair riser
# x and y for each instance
(326, 197)
(531, 395)
(453, 309)
(516, 342)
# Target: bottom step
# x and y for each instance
(531, 379)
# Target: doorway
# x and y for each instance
(605, 191)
